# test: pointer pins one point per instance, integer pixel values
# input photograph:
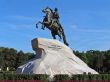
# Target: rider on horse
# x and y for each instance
(55, 17)
(52, 17)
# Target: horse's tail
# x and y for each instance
(63, 35)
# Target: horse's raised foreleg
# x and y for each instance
(37, 25)
(41, 24)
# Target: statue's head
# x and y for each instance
(55, 9)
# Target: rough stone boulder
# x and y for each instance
(53, 57)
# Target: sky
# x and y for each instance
(86, 23)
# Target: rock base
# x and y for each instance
(53, 57)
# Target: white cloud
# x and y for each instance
(18, 17)
(21, 22)
(17, 26)
(76, 28)
(23, 18)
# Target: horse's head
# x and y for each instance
(47, 10)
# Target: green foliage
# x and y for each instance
(9, 76)
(1, 76)
(60, 77)
(40, 77)
(102, 77)
(79, 77)
(12, 58)
(98, 60)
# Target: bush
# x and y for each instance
(79, 77)
(40, 77)
(60, 77)
(7, 76)
(105, 76)
(1, 77)
(91, 77)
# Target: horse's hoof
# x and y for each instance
(43, 29)
(67, 44)
(36, 26)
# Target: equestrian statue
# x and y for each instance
(51, 21)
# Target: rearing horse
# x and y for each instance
(55, 29)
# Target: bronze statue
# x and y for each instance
(55, 17)
(51, 21)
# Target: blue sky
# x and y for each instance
(86, 23)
